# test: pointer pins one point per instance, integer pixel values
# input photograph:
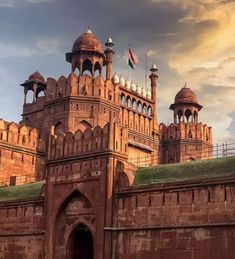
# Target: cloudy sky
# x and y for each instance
(190, 41)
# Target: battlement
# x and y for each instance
(82, 85)
(182, 130)
(89, 141)
(21, 136)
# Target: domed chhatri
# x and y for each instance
(87, 41)
(37, 77)
(185, 96)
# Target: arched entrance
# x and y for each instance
(80, 244)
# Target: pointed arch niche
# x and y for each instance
(71, 226)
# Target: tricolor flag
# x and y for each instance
(131, 60)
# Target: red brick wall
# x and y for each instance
(180, 223)
(22, 230)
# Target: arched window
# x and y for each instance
(134, 104)
(145, 109)
(30, 95)
(128, 102)
(59, 128)
(140, 107)
(180, 114)
(123, 100)
(87, 67)
(188, 114)
(40, 92)
(149, 111)
(97, 69)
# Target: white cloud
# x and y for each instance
(8, 50)
(13, 3)
(42, 46)
(47, 45)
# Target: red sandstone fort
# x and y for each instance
(81, 175)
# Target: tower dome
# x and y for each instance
(37, 77)
(186, 106)
(185, 97)
(87, 54)
(87, 41)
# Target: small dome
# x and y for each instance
(154, 66)
(109, 40)
(128, 84)
(138, 89)
(133, 87)
(186, 95)
(122, 81)
(144, 92)
(153, 69)
(115, 79)
(36, 76)
(88, 41)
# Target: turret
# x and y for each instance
(35, 83)
(87, 54)
(109, 57)
(186, 106)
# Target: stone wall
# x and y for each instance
(22, 230)
(21, 154)
(183, 221)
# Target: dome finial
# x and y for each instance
(185, 84)
(89, 30)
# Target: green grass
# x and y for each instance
(21, 192)
(197, 170)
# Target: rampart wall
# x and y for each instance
(22, 229)
(22, 154)
(189, 221)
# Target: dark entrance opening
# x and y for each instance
(81, 243)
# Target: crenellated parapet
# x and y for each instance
(82, 86)
(86, 142)
(183, 130)
(21, 136)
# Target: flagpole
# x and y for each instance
(128, 63)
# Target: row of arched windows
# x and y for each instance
(134, 105)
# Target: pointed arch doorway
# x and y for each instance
(80, 243)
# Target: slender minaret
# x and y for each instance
(109, 57)
(153, 78)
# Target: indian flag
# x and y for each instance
(131, 60)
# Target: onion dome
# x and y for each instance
(144, 92)
(122, 81)
(128, 84)
(87, 41)
(185, 96)
(115, 79)
(133, 87)
(138, 89)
